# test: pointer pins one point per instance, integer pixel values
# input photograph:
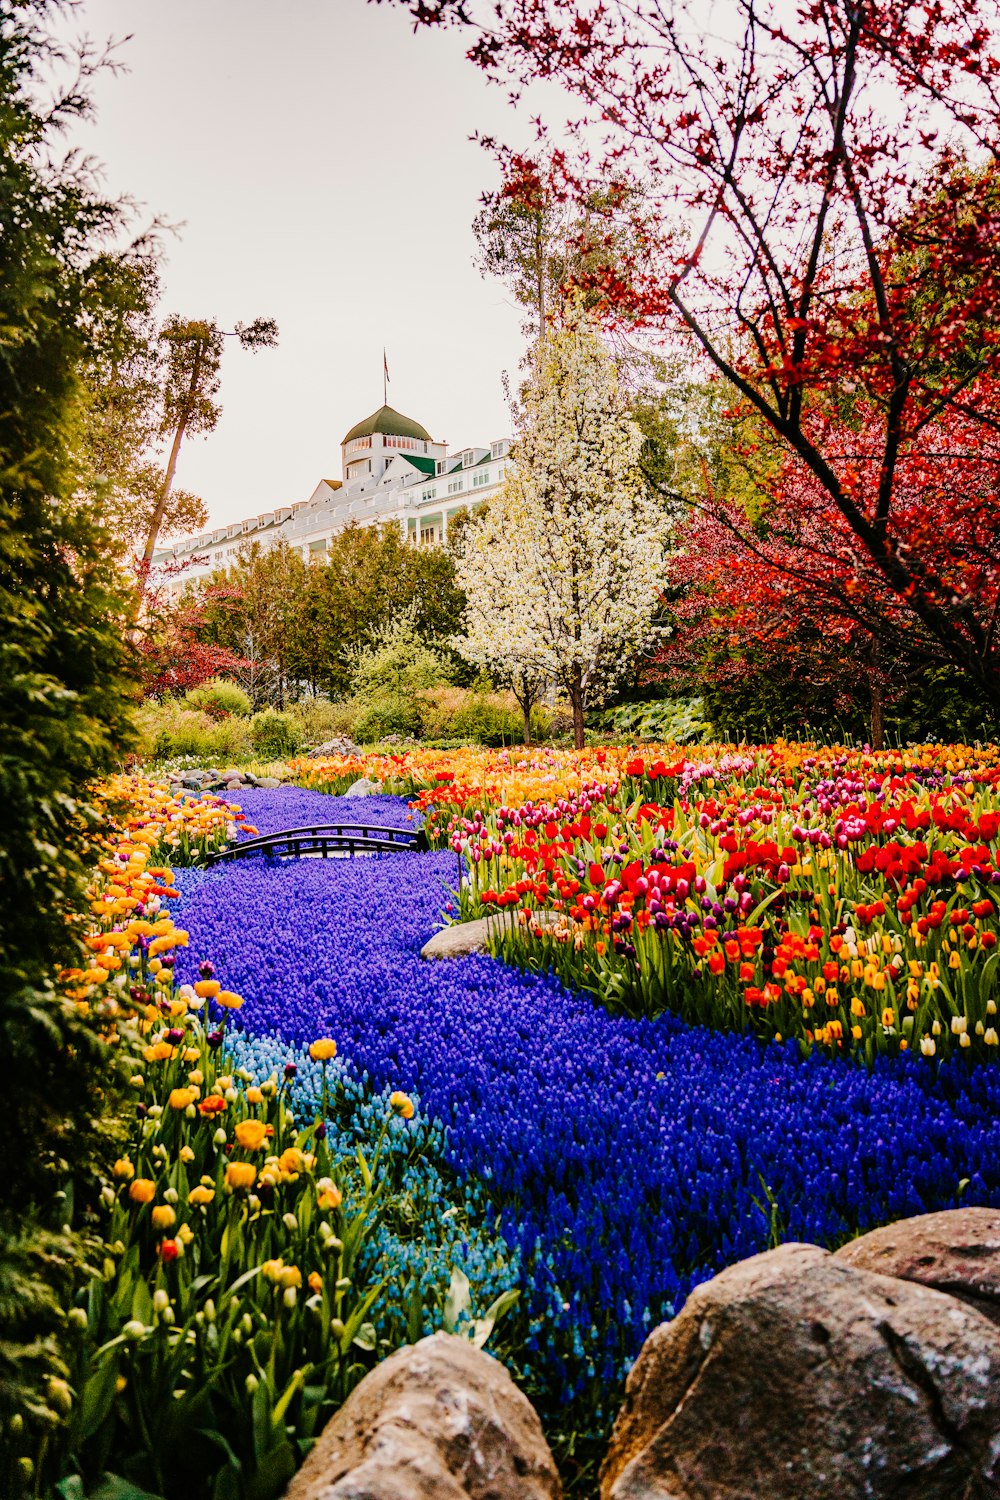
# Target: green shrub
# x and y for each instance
(679, 721)
(477, 717)
(274, 735)
(318, 719)
(397, 663)
(168, 730)
(385, 716)
(219, 698)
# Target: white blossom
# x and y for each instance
(563, 570)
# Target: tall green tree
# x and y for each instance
(191, 381)
(63, 684)
(300, 625)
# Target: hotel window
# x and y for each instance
(430, 494)
(480, 479)
(427, 533)
(455, 486)
(500, 471)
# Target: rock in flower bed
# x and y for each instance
(635, 1158)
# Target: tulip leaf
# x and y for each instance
(414, 1316)
(357, 1317)
(458, 1300)
(484, 1326)
(274, 1471)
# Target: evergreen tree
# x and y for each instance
(63, 693)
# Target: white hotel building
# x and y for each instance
(393, 472)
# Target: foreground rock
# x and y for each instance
(796, 1376)
(440, 1420)
(957, 1252)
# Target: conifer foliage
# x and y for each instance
(62, 688)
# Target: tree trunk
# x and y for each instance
(876, 729)
(876, 688)
(576, 699)
(156, 519)
(526, 711)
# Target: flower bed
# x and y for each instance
(628, 1153)
(632, 1157)
(267, 1231)
(851, 905)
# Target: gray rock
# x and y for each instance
(957, 1251)
(794, 1376)
(193, 783)
(363, 788)
(462, 938)
(340, 745)
(439, 1420)
(267, 783)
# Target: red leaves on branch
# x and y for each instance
(818, 216)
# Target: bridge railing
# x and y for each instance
(326, 840)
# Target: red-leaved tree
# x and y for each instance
(792, 591)
(817, 218)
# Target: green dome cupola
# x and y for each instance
(386, 422)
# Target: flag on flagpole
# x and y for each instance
(385, 378)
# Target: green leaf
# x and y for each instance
(97, 1398)
(113, 1487)
(485, 1325)
(142, 1303)
(263, 1431)
(366, 1337)
(415, 1311)
(357, 1317)
(273, 1473)
(296, 1383)
(366, 1176)
(228, 1484)
(458, 1300)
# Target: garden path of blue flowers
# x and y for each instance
(639, 1157)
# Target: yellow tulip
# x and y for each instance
(251, 1134)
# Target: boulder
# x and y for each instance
(462, 938)
(363, 787)
(439, 1420)
(267, 783)
(795, 1376)
(340, 745)
(957, 1251)
(459, 939)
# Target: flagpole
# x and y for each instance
(385, 378)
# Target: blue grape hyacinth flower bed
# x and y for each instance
(631, 1159)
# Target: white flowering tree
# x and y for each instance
(562, 572)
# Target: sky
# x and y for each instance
(316, 158)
